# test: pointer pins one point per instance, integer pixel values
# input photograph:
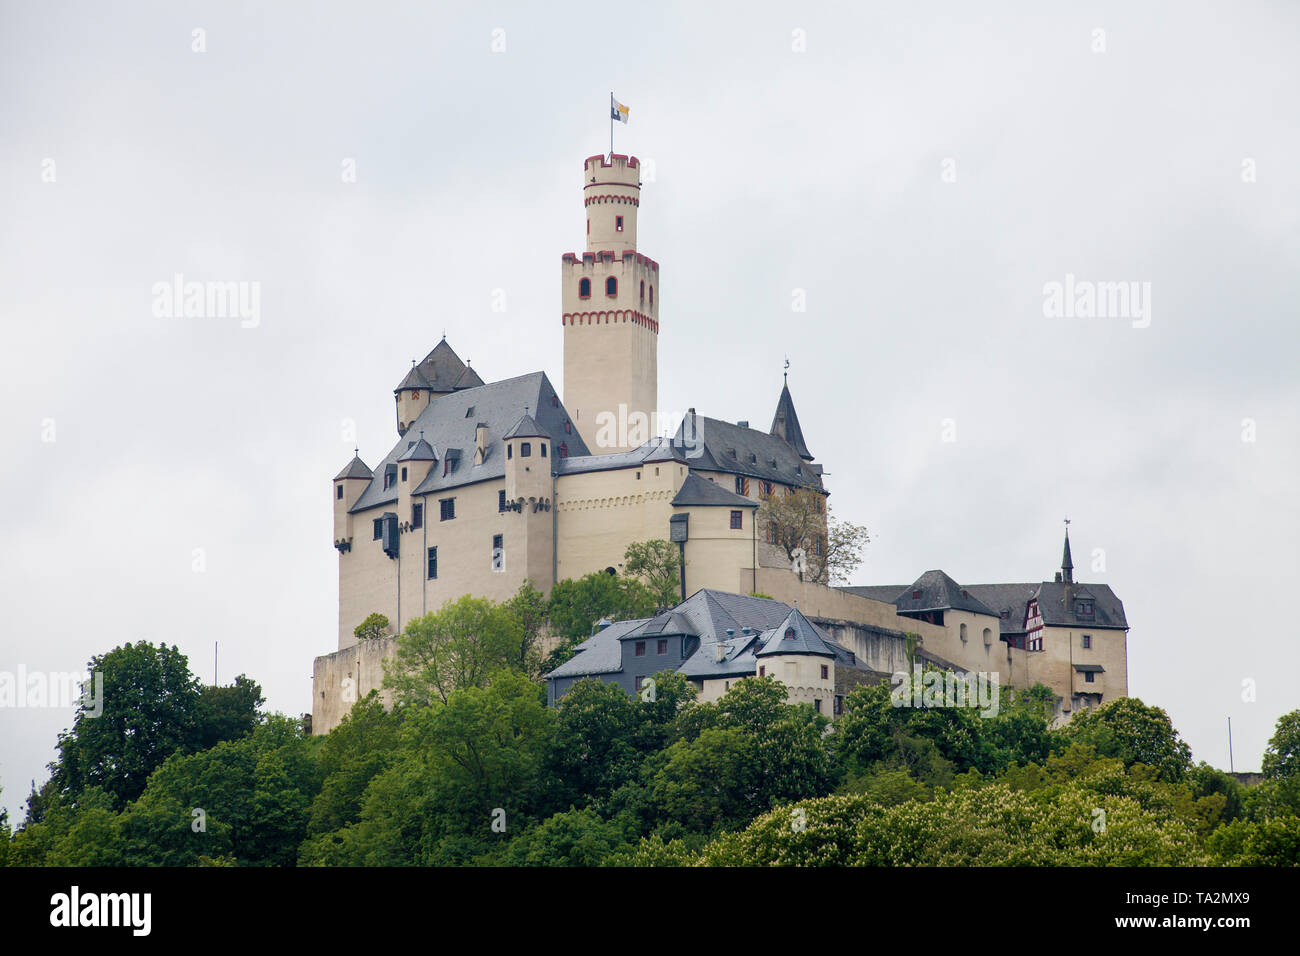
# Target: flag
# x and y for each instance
(617, 110)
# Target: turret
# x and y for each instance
(348, 487)
(528, 465)
(796, 653)
(610, 301)
(412, 396)
(412, 468)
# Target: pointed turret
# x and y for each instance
(440, 373)
(785, 425)
(1067, 564)
(348, 487)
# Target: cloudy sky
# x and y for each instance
(915, 175)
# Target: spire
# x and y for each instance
(785, 425)
(1067, 564)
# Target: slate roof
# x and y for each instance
(1108, 609)
(937, 592)
(710, 444)
(785, 425)
(445, 425)
(526, 427)
(440, 371)
(795, 635)
(697, 491)
(418, 450)
(356, 468)
(599, 654)
(655, 450)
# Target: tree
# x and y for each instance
(228, 713)
(460, 646)
(1135, 733)
(150, 709)
(658, 563)
(374, 626)
(801, 521)
(576, 605)
(1282, 758)
(530, 608)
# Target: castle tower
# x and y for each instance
(610, 301)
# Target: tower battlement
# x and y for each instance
(615, 168)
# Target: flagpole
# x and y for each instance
(611, 126)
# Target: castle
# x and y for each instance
(492, 484)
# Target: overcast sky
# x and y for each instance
(920, 172)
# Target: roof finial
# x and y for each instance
(1067, 563)
(444, 335)
(785, 376)
(356, 452)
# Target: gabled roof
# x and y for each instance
(935, 591)
(414, 379)
(441, 371)
(710, 444)
(795, 635)
(656, 450)
(785, 425)
(700, 492)
(446, 427)
(356, 468)
(526, 427)
(419, 450)
(599, 654)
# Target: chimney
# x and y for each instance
(721, 648)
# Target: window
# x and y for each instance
(1087, 641)
(510, 451)
(916, 595)
(652, 295)
(826, 672)
(525, 449)
(543, 449)
(618, 223)
(568, 428)
(662, 646)
(433, 563)
(417, 516)
(498, 552)
(447, 508)
(638, 476)
(1089, 677)
(403, 472)
(640, 648)
(584, 288)
(379, 529)
(637, 684)
(772, 535)
(790, 634)
(338, 492)
(817, 704)
(388, 480)
(611, 286)
(762, 670)
(838, 705)
(555, 401)
(643, 290)
(766, 489)
(963, 633)
(469, 411)
(564, 450)
(501, 500)
(1083, 608)
(736, 520)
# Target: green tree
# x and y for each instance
(576, 605)
(1282, 757)
(227, 713)
(1135, 733)
(150, 710)
(658, 564)
(460, 646)
(374, 626)
(531, 609)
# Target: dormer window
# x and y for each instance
(564, 450)
(916, 595)
(584, 288)
(789, 634)
(1083, 609)
(611, 286)
(469, 411)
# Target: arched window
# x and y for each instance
(584, 288)
(963, 632)
(611, 286)
(643, 290)
(652, 295)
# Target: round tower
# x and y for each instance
(610, 301)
